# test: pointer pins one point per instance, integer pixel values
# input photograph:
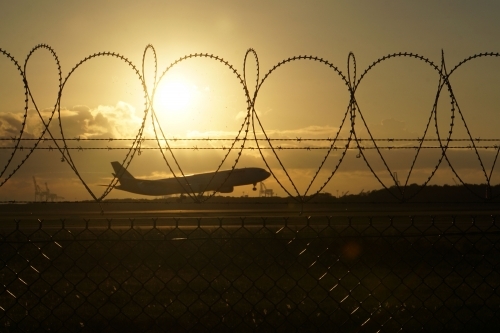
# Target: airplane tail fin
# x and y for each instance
(124, 177)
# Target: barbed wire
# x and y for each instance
(262, 148)
(270, 139)
(262, 140)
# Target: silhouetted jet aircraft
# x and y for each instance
(222, 181)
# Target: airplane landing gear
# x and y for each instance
(254, 188)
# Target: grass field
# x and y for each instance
(286, 274)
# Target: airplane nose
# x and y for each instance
(266, 174)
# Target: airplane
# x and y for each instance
(222, 181)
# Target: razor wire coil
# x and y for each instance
(252, 125)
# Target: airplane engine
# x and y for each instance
(226, 189)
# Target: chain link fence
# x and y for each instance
(347, 274)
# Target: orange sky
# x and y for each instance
(103, 98)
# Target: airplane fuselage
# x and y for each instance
(222, 181)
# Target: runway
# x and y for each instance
(134, 210)
(160, 215)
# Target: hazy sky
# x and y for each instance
(302, 99)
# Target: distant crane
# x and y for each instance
(51, 196)
(45, 195)
(264, 191)
(38, 191)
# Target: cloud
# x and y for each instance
(10, 125)
(260, 113)
(119, 121)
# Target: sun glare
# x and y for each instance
(174, 96)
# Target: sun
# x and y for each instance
(174, 96)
